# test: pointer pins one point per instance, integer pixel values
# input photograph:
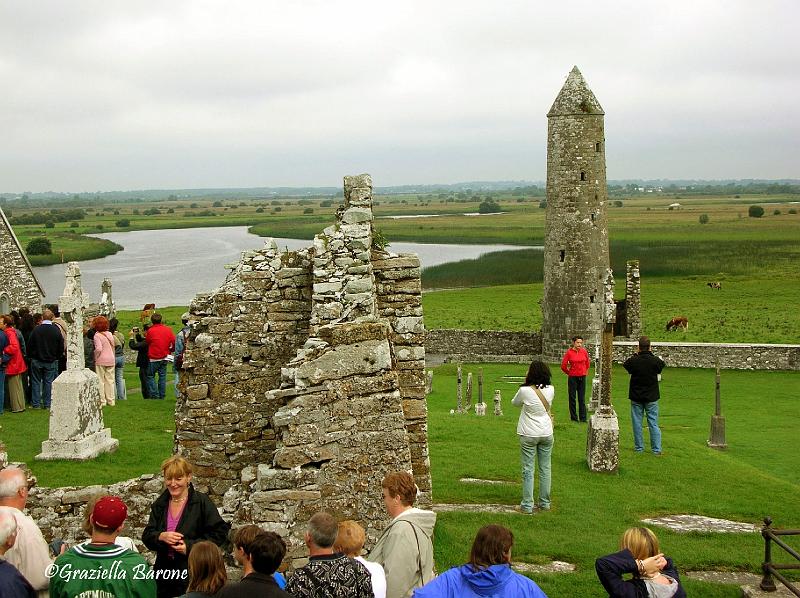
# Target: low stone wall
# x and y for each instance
(520, 347)
(729, 356)
(483, 346)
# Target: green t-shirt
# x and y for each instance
(101, 571)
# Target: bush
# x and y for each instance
(73, 225)
(123, 223)
(259, 210)
(489, 207)
(49, 224)
(216, 204)
(703, 218)
(308, 211)
(543, 204)
(776, 213)
(755, 211)
(326, 204)
(171, 211)
(792, 211)
(618, 203)
(39, 246)
(277, 209)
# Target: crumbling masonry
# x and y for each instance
(305, 381)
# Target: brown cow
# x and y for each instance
(147, 311)
(678, 322)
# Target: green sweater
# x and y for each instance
(101, 571)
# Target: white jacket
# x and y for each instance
(534, 420)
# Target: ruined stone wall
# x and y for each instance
(399, 302)
(304, 381)
(242, 335)
(19, 287)
(576, 233)
(633, 300)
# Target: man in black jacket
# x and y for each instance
(45, 348)
(645, 370)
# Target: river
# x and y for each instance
(169, 267)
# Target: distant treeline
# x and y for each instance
(460, 190)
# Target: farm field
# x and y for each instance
(757, 476)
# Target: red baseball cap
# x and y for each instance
(109, 512)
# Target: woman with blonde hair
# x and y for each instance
(654, 575)
(207, 572)
(179, 518)
(350, 542)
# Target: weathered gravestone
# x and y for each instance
(76, 417)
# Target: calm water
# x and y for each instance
(169, 267)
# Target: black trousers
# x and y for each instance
(577, 385)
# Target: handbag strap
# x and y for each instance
(542, 399)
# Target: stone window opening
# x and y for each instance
(592, 216)
(5, 304)
(583, 176)
(591, 298)
(597, 147)
(562, 255)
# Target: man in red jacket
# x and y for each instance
(160, 342)
(576, 365)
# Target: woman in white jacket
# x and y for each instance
(535, 431)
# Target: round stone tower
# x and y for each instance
(576, 229)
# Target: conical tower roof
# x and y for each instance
(575, 97)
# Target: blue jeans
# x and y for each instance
(42, 375)
(637, 412)
(119, 377)
(535, 449)
(157, 367)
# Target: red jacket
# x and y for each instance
(160, 341)
(17, 363)
(576, 362)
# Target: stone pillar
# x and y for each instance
(576, 232)
(76, 416)
(717, 437)
(498, 403)
(594, 400)
(602, 445)
(633, 300)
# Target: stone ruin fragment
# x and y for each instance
(305, 381)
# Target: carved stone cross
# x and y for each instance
(72, 304)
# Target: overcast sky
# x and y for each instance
(115, 95)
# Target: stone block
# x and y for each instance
(602, 446)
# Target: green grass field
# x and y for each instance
(758, 475)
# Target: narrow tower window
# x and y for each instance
(592, 216)
(591, 298)
(597, 146)
(583, 176)
(562, 255)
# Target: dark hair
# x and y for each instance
(644, 343)
(266, 552)
(156, 318)
(574, 338)
(538, 374)
(206, 568)
(492, 546)
(113, 324)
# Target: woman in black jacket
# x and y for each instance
(654, 575)
(138, 344)
(179, 518)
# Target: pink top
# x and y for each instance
(172, 523)
(104, 349)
